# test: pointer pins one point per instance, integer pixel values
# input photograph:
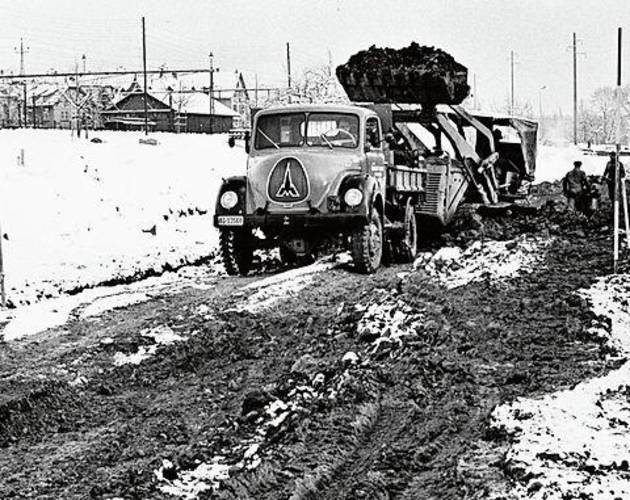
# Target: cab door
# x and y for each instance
(374, 155)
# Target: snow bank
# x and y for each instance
(553, 162)
(575, 443)
(77, 213)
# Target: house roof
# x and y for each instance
(192, 103)
(196, 103)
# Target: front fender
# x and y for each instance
(367, 185)
(238, 184)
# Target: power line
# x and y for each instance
(100, 73)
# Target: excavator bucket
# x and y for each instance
(414, 74)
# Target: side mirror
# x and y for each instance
(247, 138)
(231, 141)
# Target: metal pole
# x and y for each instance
(511, 82)
(574, 89)
(617, 179)
(25, 113)
(624, 202)
(2, 291)
(288, 65)
(211, 93)
(144, 71)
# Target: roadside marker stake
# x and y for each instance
(2, 292)
(624, 201)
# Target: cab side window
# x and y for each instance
(373, 133)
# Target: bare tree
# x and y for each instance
(316, 85)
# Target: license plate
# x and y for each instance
(231, 220)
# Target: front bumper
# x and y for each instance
(289, 221)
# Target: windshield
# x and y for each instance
(329, 130)
(280, 131)
(332, 130)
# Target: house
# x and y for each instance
(232, 91)
(11, 110)
(228, 88)
(48, 106)
(169, 111)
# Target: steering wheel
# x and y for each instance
(342, 132)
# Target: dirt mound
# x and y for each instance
(413, 74)
(552, 219)
(31, 409)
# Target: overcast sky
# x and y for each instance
(251, 35)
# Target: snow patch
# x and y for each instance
(482, 260)
(389, 322)
(161, 335)
(36, 318)
(189, 484)
(270, 290)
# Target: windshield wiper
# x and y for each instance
(325, 139)
(269, 139)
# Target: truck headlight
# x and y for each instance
(353, 197)
(228, 200)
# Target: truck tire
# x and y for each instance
(408, 246)
(367, 245)
(237, 250)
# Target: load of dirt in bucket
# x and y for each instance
(413, 74)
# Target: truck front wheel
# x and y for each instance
(237, 250)
(367, 245)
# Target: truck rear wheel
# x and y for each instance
(367, 245)
(237, 250)
(408, 246)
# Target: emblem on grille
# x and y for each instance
(288, 183)
(287, 189)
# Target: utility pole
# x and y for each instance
(540, 109)
(256, 91)
(511, 82)
(616, 176)
(77, 98)
(288, 65)
(144, 72)
(25, 115)
(575, 89)
(22, 52)
(211, 93)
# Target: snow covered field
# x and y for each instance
(77, 213)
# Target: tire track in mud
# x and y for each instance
(480, 345)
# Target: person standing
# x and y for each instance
(575, 187)
(610, 175)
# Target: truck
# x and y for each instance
(372, 177)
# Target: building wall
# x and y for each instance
(201, 124)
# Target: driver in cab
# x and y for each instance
(343, 135)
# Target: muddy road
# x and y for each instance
(306, 385)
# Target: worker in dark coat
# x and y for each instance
(610, 175)
(575, 186)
